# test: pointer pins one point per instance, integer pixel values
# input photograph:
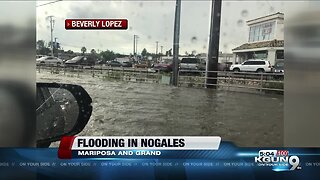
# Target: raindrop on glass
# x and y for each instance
(194, 39)
(271, 9)
(244, 13)
(240, 22)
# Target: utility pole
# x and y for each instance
(134, 45)
(213, 51)
(176, 43)
(137, 45)
(51, 31)
(55, 44)
(157, 43)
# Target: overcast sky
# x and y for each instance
(152, 21)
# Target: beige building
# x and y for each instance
(265, 40)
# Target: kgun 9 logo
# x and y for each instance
(279, 159)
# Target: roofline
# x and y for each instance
(278, 13)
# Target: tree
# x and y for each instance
(69, 52)
(83, 50)
(41, 48)
(169, 52)
(40, 44)
(93, 51)
(108, 55)
(94, 54)
(144, 52)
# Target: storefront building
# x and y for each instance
(265, 40)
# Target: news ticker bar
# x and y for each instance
(91, 24)
(115, 146)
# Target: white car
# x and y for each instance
(253, 65)
(50, 60)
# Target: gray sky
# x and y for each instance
(152, 21)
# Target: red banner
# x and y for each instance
(96, 24)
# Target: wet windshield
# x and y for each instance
(190, 60)
(139, 98)
(76, 58)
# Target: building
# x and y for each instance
(265, 40)
(223, 57)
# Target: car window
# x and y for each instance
(258, 63)
(77, 58)
(190, 60)
(279, 64)
(248, 63)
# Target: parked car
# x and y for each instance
(39, 56)
(126, 64)
(115, 64)
(81, 61)
(279, 66)
(49, 60)
(100, 62)
(165, 66)
(253, 65)
(227, 66)
(141, 65)
(191, 63)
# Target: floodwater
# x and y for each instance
(141, 109)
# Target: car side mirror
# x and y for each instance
(61, 110)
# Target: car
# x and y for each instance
(81, 61)
(100, 62)
(278, 66)
(141, 65)
(49, 60)
(39, 56)
(253, 65)
(227, 66)
(191, 63)
(165, 66)
(115, 64)
(126, 64)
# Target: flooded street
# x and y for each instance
(140, 109)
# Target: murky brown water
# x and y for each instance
(122, 108)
